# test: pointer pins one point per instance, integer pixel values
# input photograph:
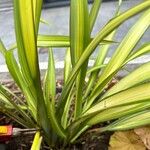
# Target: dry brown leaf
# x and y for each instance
(126, 140)
(144, 134)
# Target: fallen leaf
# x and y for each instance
(126, 140)
(144, 134)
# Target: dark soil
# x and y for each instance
(93, 142)
(88, 141)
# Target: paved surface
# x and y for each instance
(58, 19)
(4, 4)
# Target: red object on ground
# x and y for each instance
(6, 133)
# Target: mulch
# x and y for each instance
(89, 141)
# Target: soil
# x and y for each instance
(88, 141)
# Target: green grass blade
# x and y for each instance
(67, 65)
(4, 97)
(14, 68)
(112, 25)
(56, 126)
(61, 41)
(37, 6)
(50, 92)
(3, 50)
(99, 62)
(13, 116)
(86, 122)
(141, 51)
(66, 117)
(8, 101)
(57, 41)
(135, 94)
(53, 41)
(2, 87)
(94, 12)
(9, 106)
(80, 37)
(26, 39)
(17, 75)
(117, 112)
(44, 22)
(127, 44)
(79, 22)
(36, 145)
(101, 55)
(50, 79)
(94, 69)
(121, 54)
(138, 76)
(130, 122)
(27, 52)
